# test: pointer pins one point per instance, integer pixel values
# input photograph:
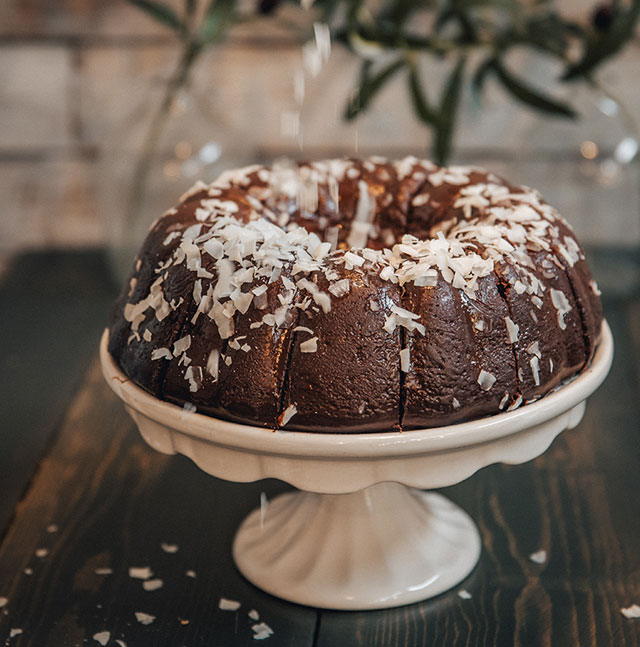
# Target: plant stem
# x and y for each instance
(152, 137)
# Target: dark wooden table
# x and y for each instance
(81, 492)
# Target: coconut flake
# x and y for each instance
(405, 360)
(539, 557)
(144, 618)
(562, 305)
(213, 363)
(340, 288)
(140, 572)
(631, 612)
(287, 414)
(455, 403)
(309, 346)
(464, 594)
(261, 631)
(486, 380)
(228, 605)
(181, 345)
(535, 369)
(3, 602)
(513, 329)
(103, 571)
(152, 585)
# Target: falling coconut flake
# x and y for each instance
(144, 618)
(631, 612)
(102, 637)
(140, 572)
(539, 557)
(228, 605)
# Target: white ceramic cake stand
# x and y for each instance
(359, 535)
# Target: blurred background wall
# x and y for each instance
(73, 71)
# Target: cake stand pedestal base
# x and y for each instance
(384, 546)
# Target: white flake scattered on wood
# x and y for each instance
(254, 615)
(152, 585)
(144, 618)
(261, 631)
(3, 602)
(140, 572)
(631, 612)
(190, 573)
(464, 594)
(15, 632)
(102, 637)
(103, 571)
(228, 605)
(28, 571)
(42, 552)
(169, 548)
(122, 643)
(539, 557)
(52, 527)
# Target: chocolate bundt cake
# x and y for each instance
(356, 295)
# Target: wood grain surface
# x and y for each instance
(115, 502)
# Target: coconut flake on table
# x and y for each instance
(140, 572)
(144, 618)
(228, 605)
(631, 612)
(254, 615)
(102, 637)
(103, 571)
(3, 602)
(261, 631)
(486, 380)
(152, 585)
(16, 631)
(464, 594)
(190, 573)
(169, 548)
(539, 557)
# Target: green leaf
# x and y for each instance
(218, 17)
(448, 110)
(530, 96)
(161, 12)
(421, 106)
(369, 86)
(602, 45)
